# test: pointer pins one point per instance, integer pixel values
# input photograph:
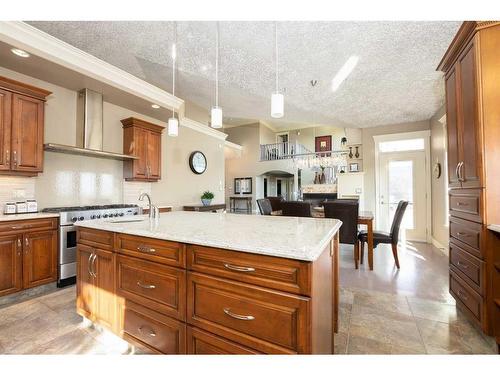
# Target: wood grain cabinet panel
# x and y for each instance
(40, 258)
(467, 204)
(452, 129)
(468, 267)
(11, 264)
(155, 285)
(469, 233)
(142, 139)
(156, 331)
(24, 226)
(85, 301)
(201, 342)
(466, 297)
(5, 126)
(262, 319)
(96, 238)
(160, 251)
(276, 273)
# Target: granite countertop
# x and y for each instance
(280, 236)
(494, 227)
(35, 215)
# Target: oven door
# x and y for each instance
(67, 244)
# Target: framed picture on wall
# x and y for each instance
(354, 167)
(243, 185)
(323, 144)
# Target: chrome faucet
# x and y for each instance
(154, 212)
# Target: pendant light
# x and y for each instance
(277, 99)
(216, 112)
(173, 123)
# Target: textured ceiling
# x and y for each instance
(395, 80)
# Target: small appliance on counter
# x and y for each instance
(21, 207)
(10, 208)
(32, 205)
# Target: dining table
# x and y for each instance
(364, 218)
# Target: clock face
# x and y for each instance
(198, 162)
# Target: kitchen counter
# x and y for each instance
(494, 227)
(35, 215)
(286, 237)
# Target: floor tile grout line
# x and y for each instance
(418, 328)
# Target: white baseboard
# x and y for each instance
(440, 246)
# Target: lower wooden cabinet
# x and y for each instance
(95, 285)
(28, 254)
(201, 342)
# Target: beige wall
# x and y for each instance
(76, 180)
(440, 230)
(369, 154)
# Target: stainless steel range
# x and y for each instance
(67, 232)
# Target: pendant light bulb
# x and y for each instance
(173, 127)
(277, 99)
(216, 117)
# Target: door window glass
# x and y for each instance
(401, 188)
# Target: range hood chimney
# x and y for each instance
(89, 129)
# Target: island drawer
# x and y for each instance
(277, 273)
(95, 238)
(156, 331)
(466, 296)
(259, 318)
(201, 342)
(160, 251)
(468, 232)
(466, 204)
(11, 227)
(157, 286)
(468, 266)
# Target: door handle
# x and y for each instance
(89, 268)
(238, 268)
(460, 171)
(94, 272)
(26, 241)
(15, 157)
(227, 311)
(456, 171)
(145, 249)
(7, 157)
(145, 286)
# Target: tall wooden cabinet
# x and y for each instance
(142, 139)
(472, 72)
(28, 254)
(21, 128)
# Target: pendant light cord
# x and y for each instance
(174, 57)
(276, 51)
(217, 66)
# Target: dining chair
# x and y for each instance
(347, 211)
(391, 237)
(294, 208)
(276, 202)
(264, 206)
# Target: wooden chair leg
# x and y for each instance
(356, 254)
(395, 253)
(362, 256)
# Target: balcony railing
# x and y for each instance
(281, 151)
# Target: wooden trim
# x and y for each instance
(464, 34)
(133, 121)
(23, 88)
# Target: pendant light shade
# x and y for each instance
(216, 117)
(216, 112)
(277, 99)
(173, 127)
(277, 105)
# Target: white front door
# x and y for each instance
(402, 176)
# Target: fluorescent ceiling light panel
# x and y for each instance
(344, 72)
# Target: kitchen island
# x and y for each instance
(206, 283)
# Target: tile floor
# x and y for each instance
(384, 311)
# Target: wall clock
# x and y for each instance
(197, 162)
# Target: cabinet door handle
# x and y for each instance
(460, 170)
(461, 265)
(15, 157)
(19, 244)
(238, 268)
(151, 332)
(7, 157)
(145, 249)
(94, 272)
(461, 295)
(145, 286)
(456, 171)
(227, 311)
(26, 242)
(89, 268)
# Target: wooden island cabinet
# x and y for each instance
(178, 298)
(472, 70)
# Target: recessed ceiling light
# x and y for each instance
(20, 52)
(344, 72)
(155, 106)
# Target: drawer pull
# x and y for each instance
(462, 204)
(151, 332)
(145, 286)
(15, 227)
(145, 249)
(461, 295)
(463, 234)
(461, 265)
(227, 311)
(238, 268)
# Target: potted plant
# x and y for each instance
(207, 197)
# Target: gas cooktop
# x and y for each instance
(88, 208)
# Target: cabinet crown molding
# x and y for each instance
(23, 88)
(133, 121)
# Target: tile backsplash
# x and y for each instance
(15, 188)
(132, 190)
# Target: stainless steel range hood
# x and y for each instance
(89, 129)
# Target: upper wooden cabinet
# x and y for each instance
(142, 139)
(21, 128)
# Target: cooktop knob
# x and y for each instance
(121, 213)
(92, 217)
(105, 216)
(81, 218)
(99, 216)
(74, 219)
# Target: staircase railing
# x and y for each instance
(280, 151)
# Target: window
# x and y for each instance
(402, 145)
